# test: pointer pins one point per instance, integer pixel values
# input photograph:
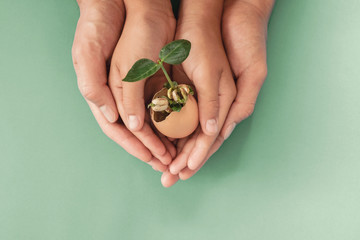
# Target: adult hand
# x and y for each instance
(97, 33)
(244, 31)
(209, 70)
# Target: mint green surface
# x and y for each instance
(291, 171)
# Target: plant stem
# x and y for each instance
(166, 74)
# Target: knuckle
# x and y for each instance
(260, 71)
(249, 110)
(212, 103)
(86, 49)
(76, 53)
(244, 110)
(88, 91)
(256, 74)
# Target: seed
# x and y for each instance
(183, 93)
(185, 87)
(175, 96)
(160, 104)
(169, 93)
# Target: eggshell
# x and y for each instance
(178, 124)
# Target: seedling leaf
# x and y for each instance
(175, 52)
(143, 68)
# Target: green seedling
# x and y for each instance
(177, 94)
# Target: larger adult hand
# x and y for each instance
(244, 32)
(97, 34)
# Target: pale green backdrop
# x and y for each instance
(291, 171)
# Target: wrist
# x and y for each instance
(157, 12)
(201, 11)
(156, 20)
(155, 7)
(95, 4)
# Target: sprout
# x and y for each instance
(173, 53)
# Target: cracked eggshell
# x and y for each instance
(178, 124)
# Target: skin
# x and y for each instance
(159, 31)
(98, 35)
(228, 39)
(244, 31)
(208, 68)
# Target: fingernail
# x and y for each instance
(108, 113)
(229, 130)
(133, 122)
(193, 160)
(211, 126)
(173, 170)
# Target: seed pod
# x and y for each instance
(160, 104)
(175, 96)
(185, 87)
(169, 93)
(184, 94)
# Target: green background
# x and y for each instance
(291, 171)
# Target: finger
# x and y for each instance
(145, 134)
(180, 161)
(200, 151)
(248, 88)
(244, 30)
(92, 82)
(157, 165)
(122, 136)
(168, 179)
(133, 103)
(203, 142)
(207, 86)
(169, 146)
(154, 144)
(187, 173)
(90, 53)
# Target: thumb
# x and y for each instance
(92, 80)
(129, 97)
(133, 103)
(207, 87)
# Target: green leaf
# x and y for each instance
(143, 68)
(175, 52)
